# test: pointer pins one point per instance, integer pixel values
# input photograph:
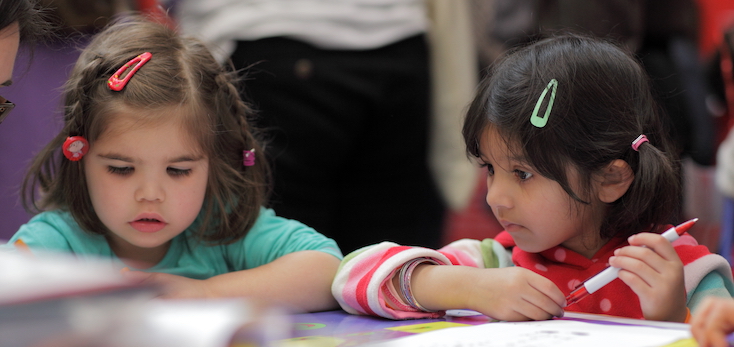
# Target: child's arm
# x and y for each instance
(655, 274)
(712, 321)
(512, 293)
(300, 280)
(368, 282)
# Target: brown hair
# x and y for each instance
(182, 74)
(603, 103)
(29, 15)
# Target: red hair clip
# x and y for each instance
(75, 147)
(115, 83)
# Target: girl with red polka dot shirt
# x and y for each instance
(581, 174)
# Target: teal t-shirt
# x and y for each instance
(270, 238)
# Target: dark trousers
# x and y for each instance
(347, 133)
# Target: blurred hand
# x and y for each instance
(172, 286)
(712, 321)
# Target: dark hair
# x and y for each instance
(182, 74)
(28, 15)
(603, 103)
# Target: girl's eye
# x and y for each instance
(122, 171)
(178, 172)
(489, 167)
(523, 175)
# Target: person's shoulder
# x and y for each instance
(57, 230)
(55, 219)
(266, 213)
(275, 235)
(268, 219)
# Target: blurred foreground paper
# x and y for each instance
(55, 300)
(40, 292)
(32, 277)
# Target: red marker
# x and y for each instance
(609, 274)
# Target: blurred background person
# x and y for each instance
(362, 101)
(20, 21)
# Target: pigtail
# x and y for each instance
(653, 197)
(53, 182)
(239, 191)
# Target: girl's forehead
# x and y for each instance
(164, 118)
(124, 119)
(493, 146)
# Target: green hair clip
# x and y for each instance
(542, 121)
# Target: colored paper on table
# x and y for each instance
(549, 333)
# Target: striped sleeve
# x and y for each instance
(709, 275)
(363, 283)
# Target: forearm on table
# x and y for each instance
(301, 280)
(438, 287)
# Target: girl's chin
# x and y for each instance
(528, 246)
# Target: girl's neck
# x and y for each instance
(587, 244)
(587, 248)
(589, 241)
(138, 257)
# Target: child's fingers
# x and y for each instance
(548, 289)
(542, 307)
(702, 314)
(643, 254)
(655, 242)
(525, 296)
(530, 309)
(713, 334)
(635, 272)
(548, 297)
(657, 259)
(529, 306)
(712, 321)
(641, 286)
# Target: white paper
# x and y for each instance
(550, 333)
(27, 277)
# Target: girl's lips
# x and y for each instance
(510, 227)
(147, 226)
(148, 223)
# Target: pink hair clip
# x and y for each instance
(75, 147)
(248, 157)
(639, 141)
(117, 84)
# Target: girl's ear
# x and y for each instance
(614, 180)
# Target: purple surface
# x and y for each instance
(354, 330)
(36, 91)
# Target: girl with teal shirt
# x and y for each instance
(157, 169)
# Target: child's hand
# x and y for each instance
(655, 274)
(712, 321)
(512, 294)
(173, 286)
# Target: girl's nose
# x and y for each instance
(150, 190)
(498, 195)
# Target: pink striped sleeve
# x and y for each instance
(363, 283)
(465, 252)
